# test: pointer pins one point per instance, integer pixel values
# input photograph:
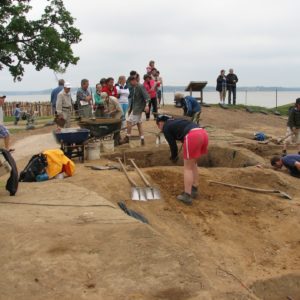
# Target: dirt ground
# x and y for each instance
(67, 239)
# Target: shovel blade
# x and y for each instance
(156, 193)
(142, 194)
(149, 194)
(135, 195)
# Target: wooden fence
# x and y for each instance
(41, 109)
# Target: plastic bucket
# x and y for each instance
(93, 151)
(108, 146)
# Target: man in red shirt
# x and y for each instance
(151, 86)
(110, 88)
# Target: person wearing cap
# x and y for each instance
(139, 100)
(84, 100)
(4, 132)
(112, 107)
(195, 144)
(293, 127)
(190, 105)
(55, 93)
(64, 105)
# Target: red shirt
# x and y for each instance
(111, 92)
(151, 88)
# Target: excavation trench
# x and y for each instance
(218, 156)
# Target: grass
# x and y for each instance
(283, 110)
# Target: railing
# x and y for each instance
(41, 109)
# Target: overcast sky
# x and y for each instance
(189, 40)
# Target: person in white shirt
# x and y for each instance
(123, 94)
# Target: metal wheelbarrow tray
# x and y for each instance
(101, 127)
(72, 135)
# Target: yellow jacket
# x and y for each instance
(58, 163)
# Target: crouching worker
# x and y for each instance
(195, 144)
(190, 105)
(64, 105)
(291, 162)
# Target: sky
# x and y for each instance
(188, 40)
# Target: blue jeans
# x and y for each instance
(124, 107)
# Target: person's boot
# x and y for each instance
(142, 142)
(125, 140)
(194, 193)
(185, 198)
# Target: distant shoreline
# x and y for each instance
(168, 89)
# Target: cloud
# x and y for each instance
(189, 40)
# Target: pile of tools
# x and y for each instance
(139, 193)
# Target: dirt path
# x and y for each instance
(230, 244)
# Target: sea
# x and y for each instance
(266, 99)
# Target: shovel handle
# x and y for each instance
(126, 174)
(140, 173)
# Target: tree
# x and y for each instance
(45, 42)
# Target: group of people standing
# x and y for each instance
(227, 83)
(127, 98)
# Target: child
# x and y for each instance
(17, 113)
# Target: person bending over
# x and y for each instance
(291, 162)
(195, 144)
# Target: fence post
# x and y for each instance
(276, 97)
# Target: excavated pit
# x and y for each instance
(218, 156)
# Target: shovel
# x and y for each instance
(152, 193)
(137, 193)
(281, 193)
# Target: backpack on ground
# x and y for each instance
(36, 166)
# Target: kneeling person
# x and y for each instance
(195, 144)
(291, 162)
(112, 107)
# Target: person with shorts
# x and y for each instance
(293, 127)
(139, 100)
(4, 133)
(195, 144)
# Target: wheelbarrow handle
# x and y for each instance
(131, 181)
(140, 173)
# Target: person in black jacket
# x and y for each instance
(221, 86)
(195, 143)
(232, 79)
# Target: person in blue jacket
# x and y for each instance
(190, 105)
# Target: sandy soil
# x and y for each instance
(230, 244)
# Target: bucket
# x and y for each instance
(93, 151)
(134, 141)
(108, 146)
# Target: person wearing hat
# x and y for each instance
(195, 144)
(293, 127)
(190, 105)
(4, 132)
(64, 105)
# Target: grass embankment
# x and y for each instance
(283, 110)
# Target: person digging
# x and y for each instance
(291, 162)
(195, 144)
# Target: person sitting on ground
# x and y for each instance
(138, 104)
(190, 105)
(291, 162)
(150, 86)
(112, 107)
(55, 93)
(195, 144)
(222, 86)
(84, 100)
(99, 104)
(110, 88)
(17, 114)
(64, 105)
(150, 67)
(4, 132)
(293, 127)
(123, 94)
